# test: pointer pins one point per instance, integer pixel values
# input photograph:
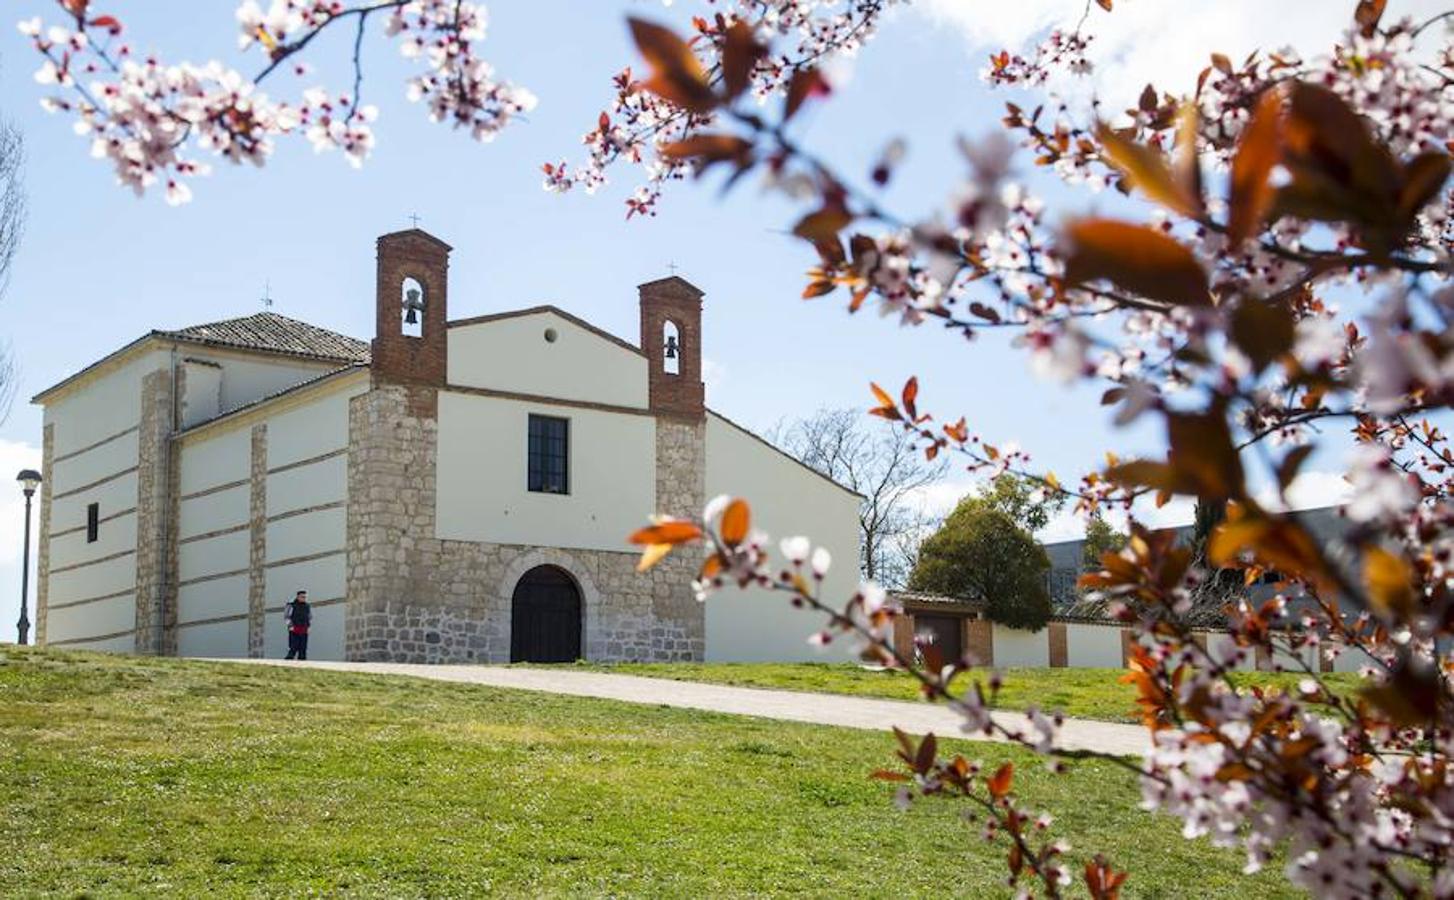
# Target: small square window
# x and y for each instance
(93, 522)
(548, 449)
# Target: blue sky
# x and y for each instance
(99, 267)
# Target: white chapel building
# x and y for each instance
(455, 491)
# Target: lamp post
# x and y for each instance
(29, 480)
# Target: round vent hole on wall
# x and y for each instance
(550, 335)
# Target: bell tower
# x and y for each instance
(412, 305)
(671, 338)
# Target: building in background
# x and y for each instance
(455, 491)
(1080, 635)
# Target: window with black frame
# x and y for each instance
(549, 454)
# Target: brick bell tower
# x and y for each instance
(412, 305)
(671, 338)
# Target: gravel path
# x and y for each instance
(792, 706)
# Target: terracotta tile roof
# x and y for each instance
(923, 598)
(273, 333)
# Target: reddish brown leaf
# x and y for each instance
(1103, 882)
(1339, 171)
(999, 783)
(1257, 155)
(805, 83)
(110, 23)
(1147, 170)
(1368, 14)
(735, 522)
(662, 49)
(1187, 166)
(1203, 452)
(711, 567)
(1263, 331)
(1148, 101)
(1410, 697)
(677, 75)
(928, 752)
(1142, 260)
(822, 225)
(1149, 474)
(886, 408)
(1287, 469)
(1389, 581)
(989, 314)
(740, 54)
(1424, 176)
(911, 394)
(711, 147)
(818, 289)
(672, 531)
(681, 90)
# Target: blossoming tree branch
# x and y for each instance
(1279, 185)
(1285, 288)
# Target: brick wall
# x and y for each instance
(396, 355)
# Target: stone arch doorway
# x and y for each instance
(545, 617)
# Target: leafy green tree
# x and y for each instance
(1100, 538)
(980, 553)
(1027, 504)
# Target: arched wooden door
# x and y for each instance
(545, 617)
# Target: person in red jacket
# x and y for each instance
(299, 615)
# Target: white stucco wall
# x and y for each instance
(311, 430)
(512, 354)
(482, 467)
(95, 440)
(248, 378)
(86, 620)
(1015, 647)
(220, 457)
(213, 541)
(306, 488)
(1090, 646)
(102, 406)
(1351, 660)
(201, 391)
(1294, 661)
(219, 639)
(123, 644)
(787, 499)
(1221, 646)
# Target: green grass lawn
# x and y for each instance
(123, 776)
(1081, 693)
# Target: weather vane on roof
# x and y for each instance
(267, 299)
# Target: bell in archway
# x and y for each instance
(671, 347)
(412, 306)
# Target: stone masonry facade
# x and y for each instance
(257, 533)
(413, 597)
(152, 503)
(42, 562)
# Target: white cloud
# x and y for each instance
(940, 498)
(1310, 490)
(1166, 42)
